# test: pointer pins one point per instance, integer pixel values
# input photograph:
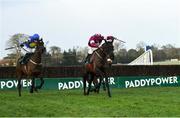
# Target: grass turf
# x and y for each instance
(155, 102)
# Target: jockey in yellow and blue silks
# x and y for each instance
(31, 43)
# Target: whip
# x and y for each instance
(10, 48)
(120, 40)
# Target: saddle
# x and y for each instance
(89, 59)
(89, 62)
(24, 59)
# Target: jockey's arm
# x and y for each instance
(93, 44)
(23, 44)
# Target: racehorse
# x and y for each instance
(100, 58)
(32, 69)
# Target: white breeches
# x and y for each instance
(91, 50)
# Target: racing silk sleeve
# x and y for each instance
(27, 44)
(92, 43)
(23, 44)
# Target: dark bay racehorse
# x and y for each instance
(99, 59)
(32, 69)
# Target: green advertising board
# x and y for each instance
(115, 82)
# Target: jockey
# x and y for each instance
(94, 43)
(31, 43)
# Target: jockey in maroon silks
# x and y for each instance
(94, 43)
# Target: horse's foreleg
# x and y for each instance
(101, 76)
(106, 82)
(84, 84)
(107, 85)
(99, 84)
(104, 85)
(19, 86)
(32, 86)
(96, 85)
(90, 77)
(41, 84)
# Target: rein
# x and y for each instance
(35, 62)
(100, 55)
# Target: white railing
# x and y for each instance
(145, 59)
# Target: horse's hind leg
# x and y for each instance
(19, 86)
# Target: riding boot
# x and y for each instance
(22, 61)
(25, 58)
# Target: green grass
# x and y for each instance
(167, 63)
(157, 102)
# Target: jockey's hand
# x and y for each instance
(21, 45)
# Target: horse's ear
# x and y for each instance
(41, 39)
(113, 40)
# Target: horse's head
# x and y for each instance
(40, 48)
(108, 49)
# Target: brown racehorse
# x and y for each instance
(100, 58)
(32, 69)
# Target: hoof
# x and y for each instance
(36, 90)
(31, 91)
